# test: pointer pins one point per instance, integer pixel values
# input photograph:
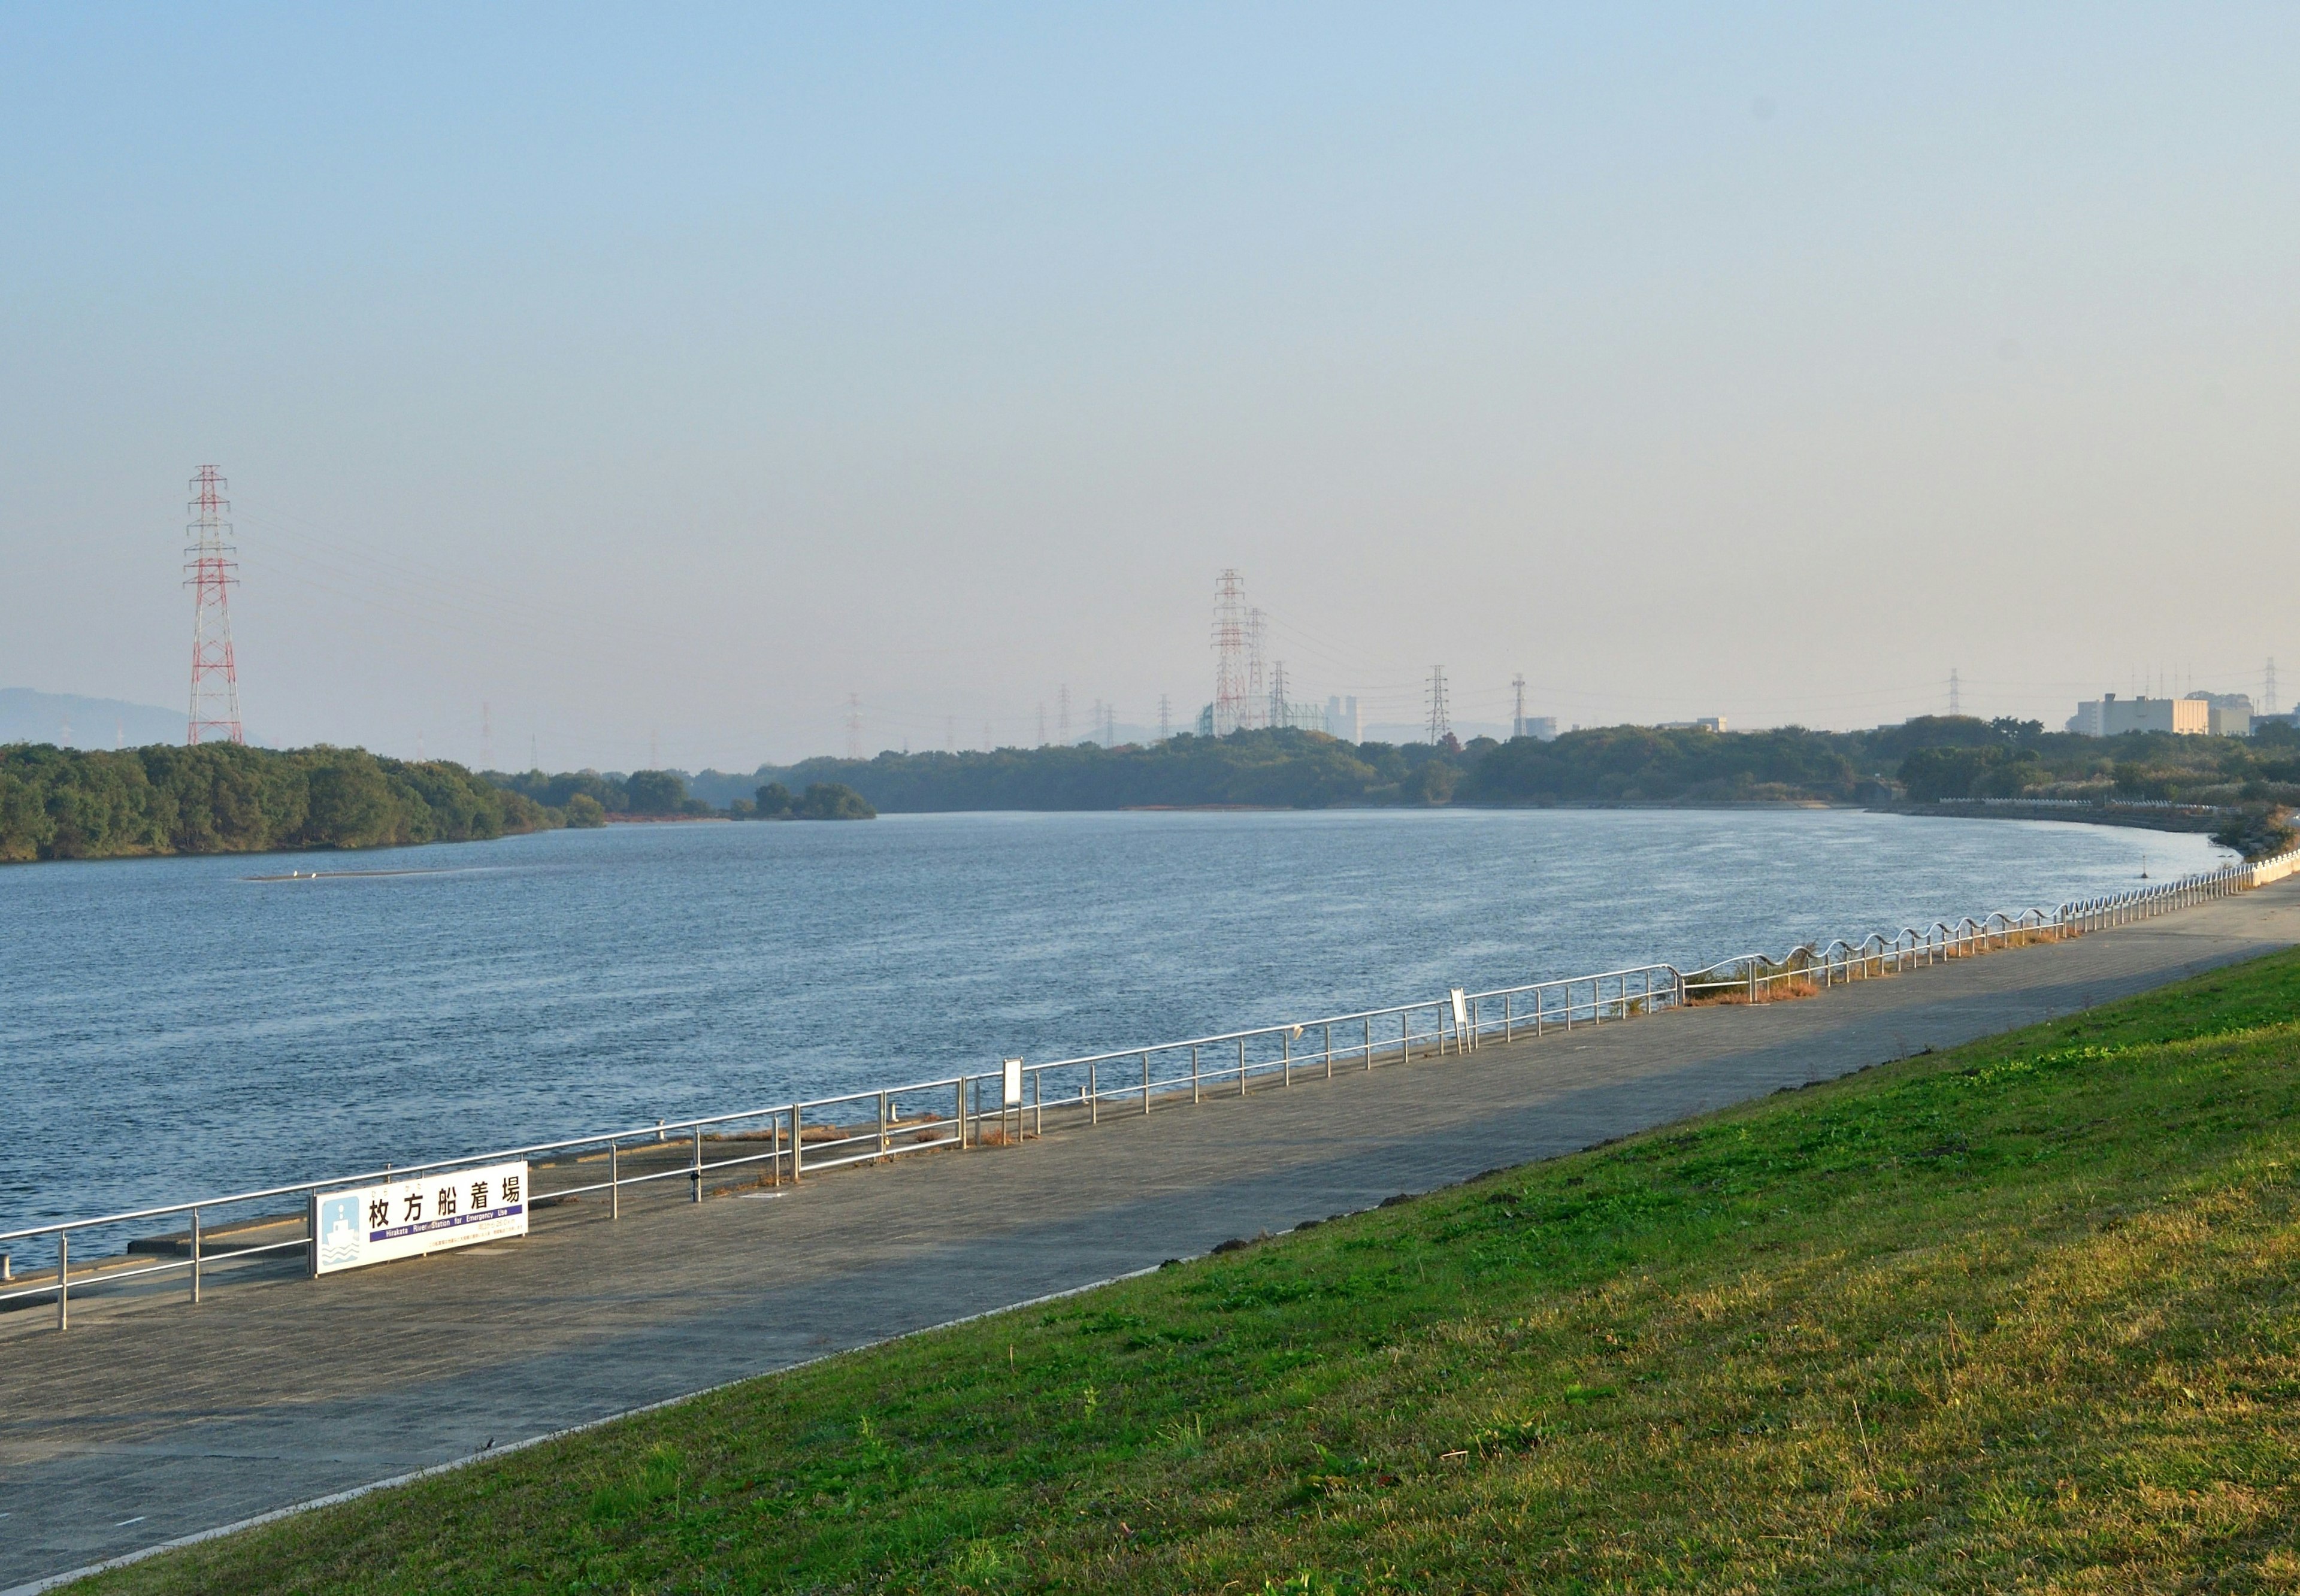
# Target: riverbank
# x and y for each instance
(677, 1297)
(1817, 1338)
(2186, 818)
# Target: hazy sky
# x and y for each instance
(672, 373)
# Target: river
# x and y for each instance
(174, 1027)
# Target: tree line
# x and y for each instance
(61, 803)
(1924, 760)
(223, 798)
(662, 795)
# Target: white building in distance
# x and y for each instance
(2199, 714)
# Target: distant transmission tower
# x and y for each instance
(1063, 714)
(1165, 718)
(1441, 717)
(207, 556)
(1257, 628)
(1110, 725)
(1956, 694)
(853, 726)
(1229, 652)
(2268, 689)
(1278, 713)
(1517, 719)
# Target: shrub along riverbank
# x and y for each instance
(2026, 1314)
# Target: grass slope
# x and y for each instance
(2022, 1315)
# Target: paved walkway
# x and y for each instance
(151, 1420)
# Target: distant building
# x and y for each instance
(1343, 721)
(1715, 723)
(2109, 716)
(1542, 728)
(2231, 713)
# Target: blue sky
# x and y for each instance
(662, 377)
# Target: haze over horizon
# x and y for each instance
(662, 379)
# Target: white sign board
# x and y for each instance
(1461, 1008)
(426, 1213)
(1013, 1083)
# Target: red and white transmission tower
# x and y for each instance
(1230, 653)
(207, 556)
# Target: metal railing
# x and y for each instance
(783, 1143)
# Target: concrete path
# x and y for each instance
(154, 1419)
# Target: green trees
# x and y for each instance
(655, 793)
(1284, 768)
(68, 803)
(830, 801)
(1999, 772)
(821, 801)
(1646, 764)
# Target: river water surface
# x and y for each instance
(171, 1027)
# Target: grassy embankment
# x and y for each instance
(2026, 1315)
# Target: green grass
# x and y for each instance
(2018, 1317)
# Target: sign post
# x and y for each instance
(1011, 1096)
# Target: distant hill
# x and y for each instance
(29, 716)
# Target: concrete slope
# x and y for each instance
(152, 1419)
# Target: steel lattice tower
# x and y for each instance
(1441, 715)
(1517, 719)
(1229, 652)
(207, 557)
(1257, 633)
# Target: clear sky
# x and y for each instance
(661, 375)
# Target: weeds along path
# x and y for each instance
(151, 1421)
